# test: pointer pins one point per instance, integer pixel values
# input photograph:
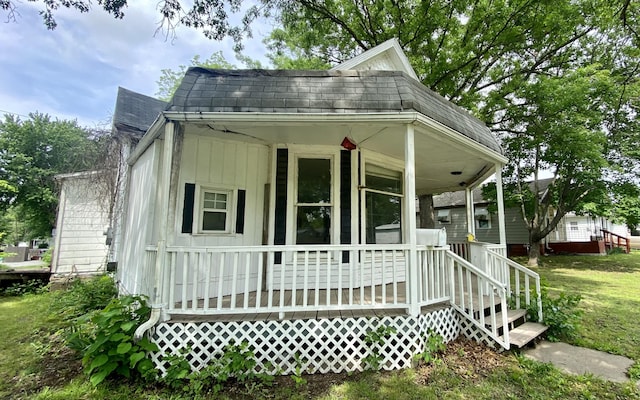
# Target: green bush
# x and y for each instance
(82, 297)
(560, 314)
(105, 339)
(33, 286)
(46, 257)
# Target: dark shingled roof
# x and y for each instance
(458, 199)
(289, 91)
(135, 112)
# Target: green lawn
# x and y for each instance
(35, 365)
(610, 290)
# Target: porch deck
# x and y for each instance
(392, 304)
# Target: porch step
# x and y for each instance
(512, 316)
(525, 333)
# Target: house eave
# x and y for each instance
(425, 125)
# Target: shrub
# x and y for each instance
(33, 286)
(46, 257)
(560, 314)
(105, 339)
(82, 297)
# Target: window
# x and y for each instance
(483, 219)
(573, 225)
(444, 216)
(383, 203)
(215, 207)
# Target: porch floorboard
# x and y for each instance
(240, 313)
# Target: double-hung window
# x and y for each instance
(215, 211)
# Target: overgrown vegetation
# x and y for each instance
(32, 286)
(561, 313)
(106, 341)
(434, 346)
(82, 297)
(235, 365)
(374, 340)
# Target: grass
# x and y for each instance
(610, 290)
(35, 365)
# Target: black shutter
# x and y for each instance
(242, 196)
(280, 231)
(345, 201)
(187, 209)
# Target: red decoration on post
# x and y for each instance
(348, 144)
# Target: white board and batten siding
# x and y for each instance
(80, 245)
(141, 216)
(212, 163)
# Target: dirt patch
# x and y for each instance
(466, 358)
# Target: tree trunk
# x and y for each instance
(427, 214)
(534, 253)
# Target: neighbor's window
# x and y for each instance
(215, 208)
(444, 216)
(483, 219)
(573, 225)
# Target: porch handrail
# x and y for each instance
(469, 298)
(511, 272)
(609, 236)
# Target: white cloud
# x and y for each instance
(74, 71)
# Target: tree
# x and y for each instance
(170, 79)
(214, 17)
(556, 80)
(32, 152)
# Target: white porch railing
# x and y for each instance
(338, 278)
(475, 294)
(461, 249)
(291, 279)
(518, 280)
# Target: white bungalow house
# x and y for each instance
(261, 205)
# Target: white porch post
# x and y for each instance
(500, 200)
(471, 226)
(410, 218)
(164, 215)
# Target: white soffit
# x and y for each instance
(387, 56)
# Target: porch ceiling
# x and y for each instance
(436, 156)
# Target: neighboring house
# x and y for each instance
(574, 233)
(277, 208)
(82, 222)
(91, 203)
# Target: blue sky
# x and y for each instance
(74, 71)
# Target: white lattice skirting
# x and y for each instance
(322, 345)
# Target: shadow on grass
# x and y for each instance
(623, 263)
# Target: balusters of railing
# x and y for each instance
(259, 281)
(395, 276)
(271, 278)
(294, 281)
(222, 263)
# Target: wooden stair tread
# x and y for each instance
(525, 333)
(512, 315)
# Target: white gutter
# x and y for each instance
(156, 311)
